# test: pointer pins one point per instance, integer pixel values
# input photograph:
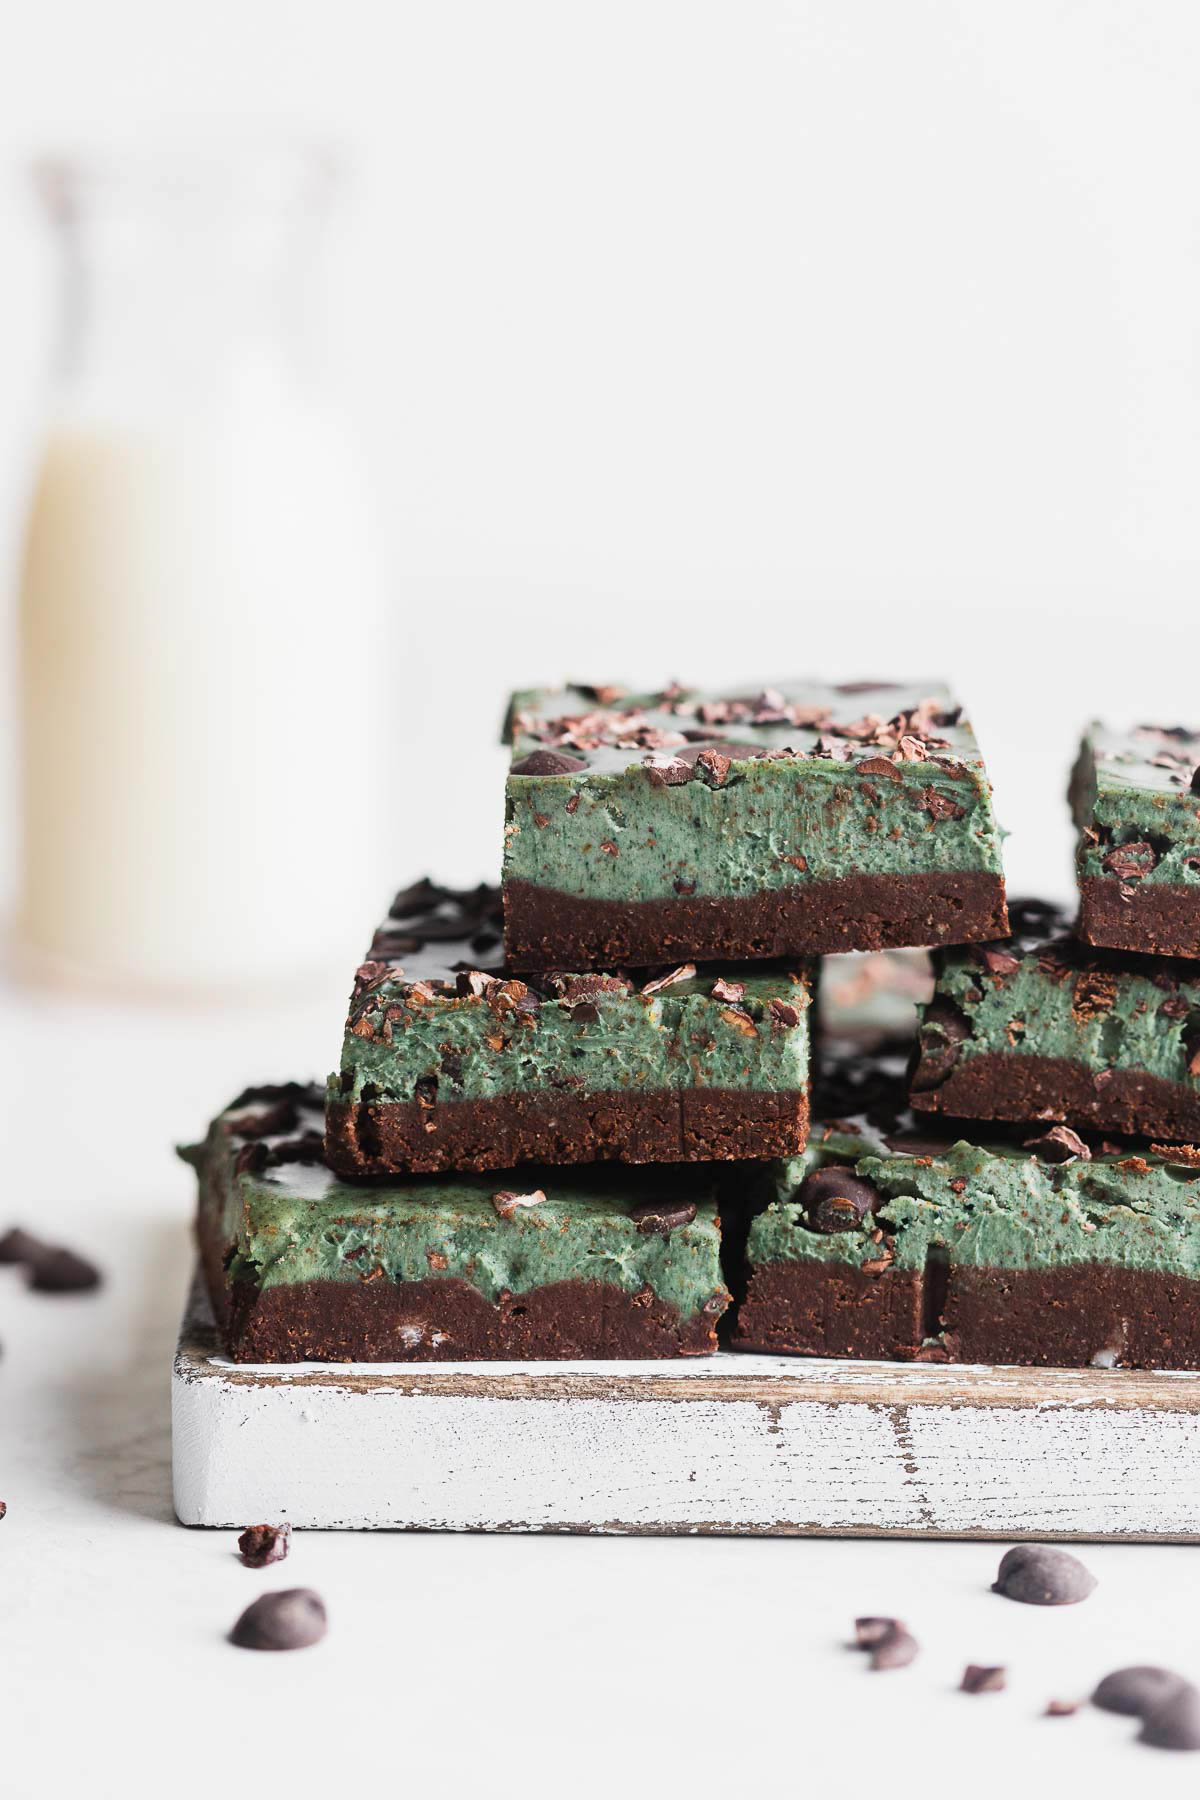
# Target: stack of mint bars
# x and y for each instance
(583, 1115)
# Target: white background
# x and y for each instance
(698, 339)
(685, 340)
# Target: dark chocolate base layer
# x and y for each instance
(829, 1309)
(1070, 1318)
(547, 929)
(1129, 1102)
(677, 1125)
(1158, 921)
(445, 1320)
(1079, 1316)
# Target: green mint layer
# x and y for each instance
(989, 1206)
(511, 1039)
(718, 796)
(292, 1220)
(1132, 800)
(1043, 993)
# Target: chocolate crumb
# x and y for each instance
(1058, 1145)
(506, 1202)
(662, 1216)
(1061, 1709)
(981, 1679)
(263, 1544)
(732, 991)
(713, 768)
(684, 972)
(895, 1651)
(870, 1631)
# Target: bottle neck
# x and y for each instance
(175, 296)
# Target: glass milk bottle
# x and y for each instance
(200, 612)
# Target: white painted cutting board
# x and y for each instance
(722, 1444)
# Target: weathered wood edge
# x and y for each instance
(762, 1381)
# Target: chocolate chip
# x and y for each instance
(835, 1199)
(1135, 1691)
(1059, 1145)
(289, 1620)
(1174, 1724)
(56, 1271)
(980, 1679)
(662, 1216)
(548, 762)
(783, 1013)
(1061, 1709)
(18, 1246)
(939, 806)
(1040, 1575)
(263, 1544)
(1194, 784)
(944, 1029)
(1129, 862)
(731, 991)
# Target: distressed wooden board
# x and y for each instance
(756, 1444)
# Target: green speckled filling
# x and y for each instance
(677, 1038)
(298, 1223)
(1118, 793)
(627, 839)
(1032, 1013)
(1014, 1211)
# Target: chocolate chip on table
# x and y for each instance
(56, 1271)
(48, 1267)
(662, 1215)
(1040, 1575)
(835, 1199)
(3, 1509)
(289, 1620)
(1174, 1723)
(263, 1544)
(548, 762)
(1061, 1709)
(981, 1679)
(1136, 1690)
(19, 1246)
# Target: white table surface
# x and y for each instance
(472, 1664)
